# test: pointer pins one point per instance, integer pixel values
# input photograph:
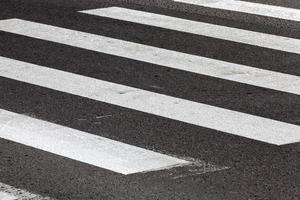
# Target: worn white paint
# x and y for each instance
(8, 192)
(7, 196)
(211, 30)
(228, 121)
(249, 7)
(81, 146)
(172, 59)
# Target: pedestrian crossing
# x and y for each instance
(211, 30)
(174, 108)
(93, 147)
(145, 53)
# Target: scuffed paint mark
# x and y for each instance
(82, 119)
(234, 72)
(193, 167)
(103, 116)
(166, 168)
(197, 167)
(124, 91)
(156, 87)
(197, 170)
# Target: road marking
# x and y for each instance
(81, 146)
(177, 60)
(11, 193)
(6, 196)
(211, 30)
(249, 7)
(237, 123)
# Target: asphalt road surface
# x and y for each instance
(150, 100)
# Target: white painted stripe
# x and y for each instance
(172, 59)
(211, 30)
(6, 196)
(78, 145)
(249, 7)
(237, 123)
(8, 192)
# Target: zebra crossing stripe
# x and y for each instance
(177, 60)
(237, 123)
(249, 7)
(8, 192)
(81, 146)
(6, 196)
(211, 30)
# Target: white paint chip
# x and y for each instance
(228, 121)
(249, 7)
(81, 146)
(177, 60)
(200, 28)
